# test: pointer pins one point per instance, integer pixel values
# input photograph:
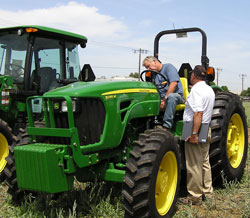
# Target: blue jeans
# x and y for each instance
(171, 102)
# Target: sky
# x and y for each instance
(117, 30)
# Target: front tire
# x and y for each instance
(229, 142)
(152, 176)
(10, 168)
(6, 139)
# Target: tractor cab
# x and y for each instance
(38, 58)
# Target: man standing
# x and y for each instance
(172, 94)
(198, 110)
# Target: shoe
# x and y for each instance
(184, 201)
(196, 201)
(208, 197)
(190, 200)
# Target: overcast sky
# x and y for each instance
(115, 29)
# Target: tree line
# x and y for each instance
(225, 88)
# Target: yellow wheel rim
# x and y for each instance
(235, 140)
(166, 183)
(4, 151)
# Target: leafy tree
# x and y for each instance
(245, 92)
(134, 75)
(225, 88)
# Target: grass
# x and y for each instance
(247, 111)
(232, 201)
(89, 200)
(100, 200)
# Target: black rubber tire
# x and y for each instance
(10, 169)
(6, 139)
(227, 107)
(139, 187)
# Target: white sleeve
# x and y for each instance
(195, 101)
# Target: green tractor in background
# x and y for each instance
(105, 130)
(33, 60)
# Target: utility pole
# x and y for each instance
(242, 76)
(218, 71)
(141, 51)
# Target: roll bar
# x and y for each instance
(204, 58)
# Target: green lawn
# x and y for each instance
(247, 110)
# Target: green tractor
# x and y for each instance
(33, 60)
(105, 130)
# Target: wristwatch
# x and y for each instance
(165, 97)
(194, 133)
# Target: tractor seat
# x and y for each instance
(44, 77)
(184, 83)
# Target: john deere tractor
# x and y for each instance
(33, 60)
(105, 130)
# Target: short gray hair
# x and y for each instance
(149, 59)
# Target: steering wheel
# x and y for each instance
(15, 70)
(158, 86)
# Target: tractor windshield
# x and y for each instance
(12, 55)
(53, 61)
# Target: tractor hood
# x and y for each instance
(98, 89)
(101, 110)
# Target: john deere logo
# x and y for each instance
(56, 106)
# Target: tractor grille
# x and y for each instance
(89, 120)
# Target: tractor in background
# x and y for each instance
(105, 130)
(33, 60)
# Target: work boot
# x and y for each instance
(208, 197)
(190, 200)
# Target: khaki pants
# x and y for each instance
(199, 178)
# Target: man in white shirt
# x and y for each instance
(199, 107)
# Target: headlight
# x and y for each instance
(64, 106)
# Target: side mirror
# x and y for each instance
(83, 45)
(87, 74)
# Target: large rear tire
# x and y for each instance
(6, 139)
(229, 142)
(152, 176)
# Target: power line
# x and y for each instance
(109, 45)
(140, 52)
(229, 82)
(8, 22)
(125, 68)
